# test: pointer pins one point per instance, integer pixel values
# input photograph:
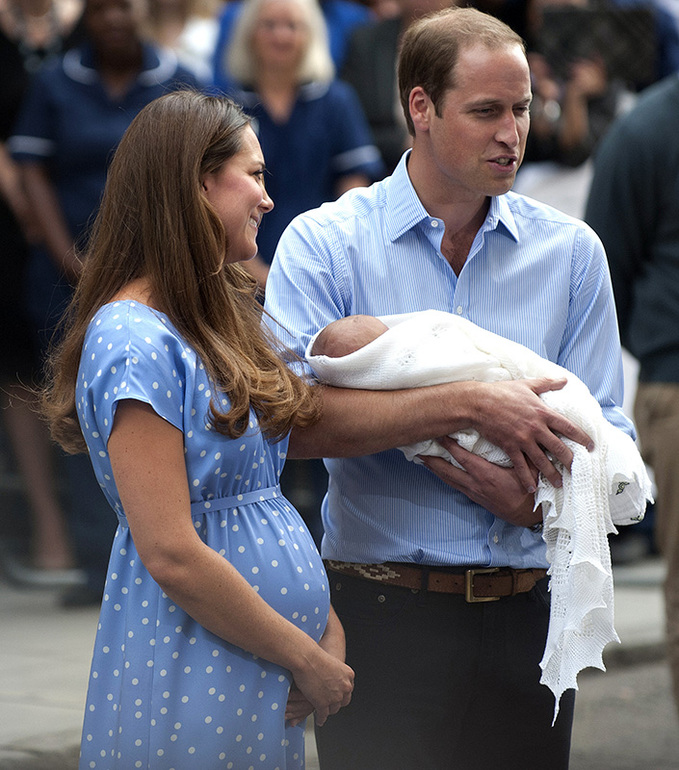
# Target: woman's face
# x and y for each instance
(281, 36)
(113, 26)
(237, 193)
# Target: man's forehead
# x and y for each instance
(475, 55)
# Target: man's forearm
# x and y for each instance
(362, 422)
(510, 415)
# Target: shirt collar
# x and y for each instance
(405, 209)
(307, 92)
(500, 216)
(158, 65)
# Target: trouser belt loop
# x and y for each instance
(515, 583)
(424, 579)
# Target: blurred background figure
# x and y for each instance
(635, 40)
(588, 58)
(312, 129)
(341, 18)
(634, 207)
(189, 28)
(74, 114)
(370, 67)
(572, 108)
(32, 32)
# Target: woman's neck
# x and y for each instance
(137, 290)
(119, 71)
(278, 92)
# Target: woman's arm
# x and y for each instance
(50, 219)
(11, 190)
(147, 457)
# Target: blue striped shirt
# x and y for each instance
(533, 274)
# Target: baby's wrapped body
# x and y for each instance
(605, 487)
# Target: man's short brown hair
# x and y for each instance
(431, 46)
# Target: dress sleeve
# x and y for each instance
(131, 353)
(355, 151)
(33, 137)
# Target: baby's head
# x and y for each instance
(346, 335)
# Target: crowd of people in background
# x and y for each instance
(318, 79)
(317, 85)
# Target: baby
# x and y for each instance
(432, 347)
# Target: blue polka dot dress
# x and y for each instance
(164, 693)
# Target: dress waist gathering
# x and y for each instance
(201, 507)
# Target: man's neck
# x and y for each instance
(462, 215)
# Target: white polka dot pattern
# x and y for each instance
(165, 693)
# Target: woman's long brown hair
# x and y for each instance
(154, 223)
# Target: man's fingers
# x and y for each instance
(560, 426)
(524, 473)
(544, 384)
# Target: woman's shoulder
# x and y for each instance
(131, 351)
(119, 313)
(128, 325)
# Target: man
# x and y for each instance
(633, 205)
(445, 679)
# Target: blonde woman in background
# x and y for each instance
(311, 126)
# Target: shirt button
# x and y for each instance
(434, 223)
(458, 309)
(496, 539)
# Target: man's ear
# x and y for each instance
(421, 108)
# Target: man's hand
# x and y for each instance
(496, 489)
(512, 416)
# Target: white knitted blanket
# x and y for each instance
(605, 487)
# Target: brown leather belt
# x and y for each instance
(477, 584)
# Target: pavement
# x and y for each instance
(45, 654)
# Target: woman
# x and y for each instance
(32, 33)
(311, 127)
(216, 599)
(74, 115)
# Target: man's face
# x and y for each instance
(478, 142)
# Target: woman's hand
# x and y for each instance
(332, 641)
(326, 682)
